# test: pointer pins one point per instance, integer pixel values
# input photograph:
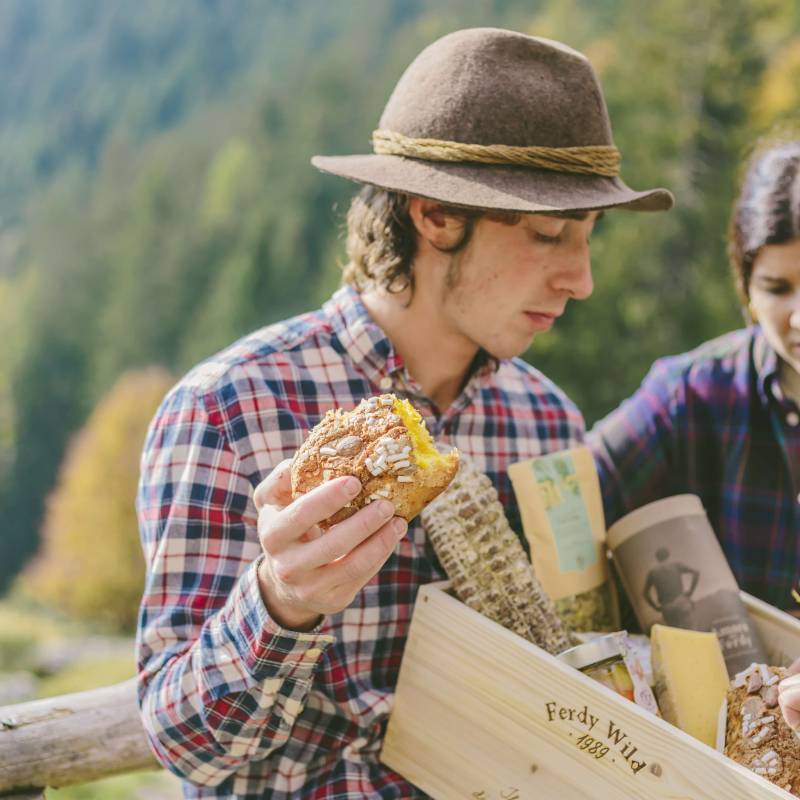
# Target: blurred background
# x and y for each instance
(157, 201)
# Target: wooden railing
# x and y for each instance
(74, 738)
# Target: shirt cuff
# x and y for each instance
(266, 649)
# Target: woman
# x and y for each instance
(723, 421)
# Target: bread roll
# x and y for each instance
(385, 444)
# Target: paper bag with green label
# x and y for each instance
(562, 515)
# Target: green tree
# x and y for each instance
(680, 79)
(187, 213)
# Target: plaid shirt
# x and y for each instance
(231, 702)
(714, 422)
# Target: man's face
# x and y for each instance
(513, 281)
(775, 298)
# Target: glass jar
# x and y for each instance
(603, 660)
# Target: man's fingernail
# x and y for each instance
(352, 486)
(400, 526)
(384, 508)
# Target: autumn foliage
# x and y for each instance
(90, 564)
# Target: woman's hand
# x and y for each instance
(306, 573)
(789, 696)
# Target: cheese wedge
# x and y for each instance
(691, 679)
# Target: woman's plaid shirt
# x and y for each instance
(715, 423)
(231, 702)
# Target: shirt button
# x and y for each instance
(793, 419)
(385, 383)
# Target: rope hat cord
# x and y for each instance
(589, 160)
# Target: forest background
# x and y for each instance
(157, 202)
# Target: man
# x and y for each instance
(672, 599)
(268, 654)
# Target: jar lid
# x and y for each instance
(597, 650)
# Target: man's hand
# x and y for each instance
(305, 573)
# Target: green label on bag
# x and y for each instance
(566, 511)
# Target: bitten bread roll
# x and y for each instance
(385, 444)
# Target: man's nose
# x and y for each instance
(575, 273)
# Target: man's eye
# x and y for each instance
(543, 237)
(777, 288)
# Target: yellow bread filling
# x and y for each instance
(422, 445)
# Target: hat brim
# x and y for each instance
(487, 186)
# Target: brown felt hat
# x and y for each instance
(493, 119)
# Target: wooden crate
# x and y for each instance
(481, 713)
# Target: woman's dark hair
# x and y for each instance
(767, 210)
(382, 240)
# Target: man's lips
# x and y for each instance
(542, 320)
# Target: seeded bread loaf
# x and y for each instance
(385, 444)
(756, 734)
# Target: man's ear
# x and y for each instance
(433, 224)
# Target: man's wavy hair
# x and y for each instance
(382, 239)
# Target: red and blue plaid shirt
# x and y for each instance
(231, 702)
(715, 423)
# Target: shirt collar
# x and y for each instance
(361, 337)
(370, 348)
(765, 360)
